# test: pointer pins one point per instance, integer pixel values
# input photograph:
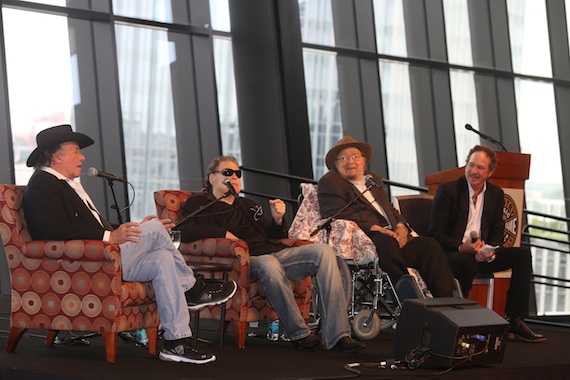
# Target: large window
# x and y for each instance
(464, 112)
(398, 116)
(528, 30)
(321, 81)
(42, 80)
(144, 57)
(390, 27)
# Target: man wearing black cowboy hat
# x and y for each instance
(58, 208)
(375, 215)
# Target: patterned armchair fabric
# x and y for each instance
(70, 285)
(347, 239)
(249, 303)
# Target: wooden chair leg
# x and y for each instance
(15, 334)
(152, 345)
(50, 338)
(110, 340)
(240, 329)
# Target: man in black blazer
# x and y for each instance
(57, 207)
(348, 184)
(467, 215)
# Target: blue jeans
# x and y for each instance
(154, 258)
(315, 260)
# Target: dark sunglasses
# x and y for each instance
(229, 172)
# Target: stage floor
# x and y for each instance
(263, 359)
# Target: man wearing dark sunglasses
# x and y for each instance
(229, 172)
(272, 262)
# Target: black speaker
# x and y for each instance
(444, 332)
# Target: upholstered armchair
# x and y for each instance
(249, 303)
(70, 285)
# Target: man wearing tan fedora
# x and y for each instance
(345, 185)
(57, 207)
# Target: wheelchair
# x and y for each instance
(371, 297)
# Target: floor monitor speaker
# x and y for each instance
(445, 332)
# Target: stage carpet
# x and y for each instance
(263, 359)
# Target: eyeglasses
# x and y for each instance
(355, 157)
(229, 172)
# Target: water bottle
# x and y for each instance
(141, 337)
(273, 330)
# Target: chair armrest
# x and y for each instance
(73, 250)
(222, 251)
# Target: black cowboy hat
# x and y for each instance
(53, 136)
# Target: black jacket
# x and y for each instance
(54, 211)
(450, 210)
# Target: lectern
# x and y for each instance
(511, 173)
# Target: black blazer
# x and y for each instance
(54, 211)
(335, 192)
(450, 211)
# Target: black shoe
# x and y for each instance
(183, 352)
(347, 344)
(205, 294)
(520, 331)
(307, 343)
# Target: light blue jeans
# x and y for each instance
(154, 258)
(315, 260)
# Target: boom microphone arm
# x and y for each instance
(199, 210)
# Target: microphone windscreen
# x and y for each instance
(92, 172)
(474, 236)
(230, 187)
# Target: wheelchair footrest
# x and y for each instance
(407, 287)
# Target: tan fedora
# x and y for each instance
(54, 136)
(347, 142)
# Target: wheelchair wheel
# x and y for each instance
(363, 330)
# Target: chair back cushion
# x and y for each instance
(12, 223)
(346, 237)
(416, 209)
(169, 203)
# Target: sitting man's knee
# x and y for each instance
(266, 264)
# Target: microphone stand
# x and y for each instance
(115, 206)
(485, 137)
(330, 219)
(202, 208)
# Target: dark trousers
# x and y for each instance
(422, 253)
(465, 267)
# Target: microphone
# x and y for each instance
(231, 189)
(485, 137)
(372, 181)
(96, 173)
(474, 236)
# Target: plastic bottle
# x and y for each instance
(273, 330)
(141, 337)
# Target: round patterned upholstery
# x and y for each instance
(68, 285)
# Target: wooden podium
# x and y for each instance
(511, 173)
